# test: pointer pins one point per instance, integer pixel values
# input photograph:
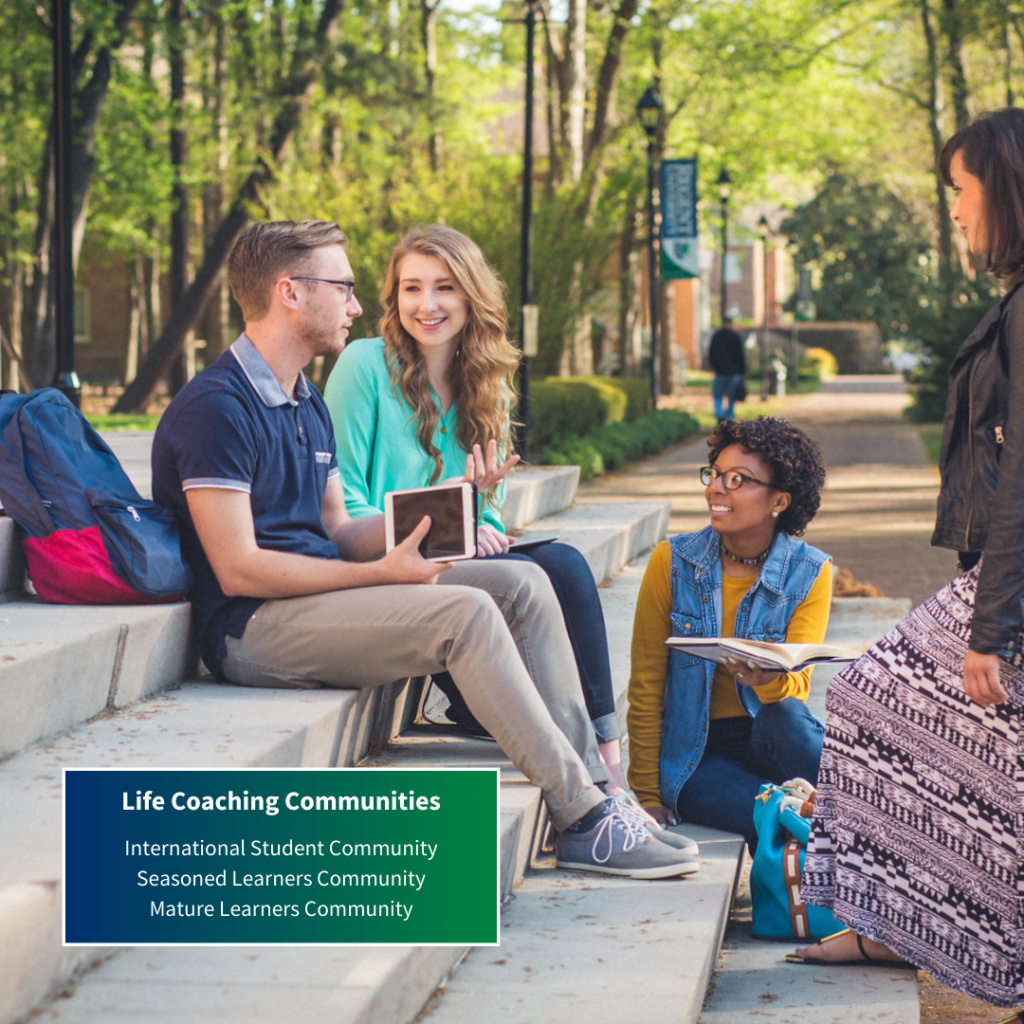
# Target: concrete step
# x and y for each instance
(609, 534)
(60, 666)
(198, 725)
(205, 724)
(579, 949)
(201, 724)
(533, 492)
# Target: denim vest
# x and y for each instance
(785, 580)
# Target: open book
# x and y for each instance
(784, 657)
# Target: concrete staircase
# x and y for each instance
(91, 687)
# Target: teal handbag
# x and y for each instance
(783, 825)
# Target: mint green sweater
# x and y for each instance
(376, 434)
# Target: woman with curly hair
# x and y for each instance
(704, 737)
(431, 399)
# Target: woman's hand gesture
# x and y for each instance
(485, 470)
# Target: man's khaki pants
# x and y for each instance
(495, 625)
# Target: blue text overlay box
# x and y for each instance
(281, 856)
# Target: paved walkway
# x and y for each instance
(878, 510)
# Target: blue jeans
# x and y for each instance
(782, 741)
(574, 586)
(723, 391)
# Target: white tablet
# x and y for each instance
(452, 509)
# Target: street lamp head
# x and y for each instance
(724, 182)
(648, 110)
(764, 227)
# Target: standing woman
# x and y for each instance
(431, 400)
(917, 841)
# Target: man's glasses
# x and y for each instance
(349, 286)
(732, 479)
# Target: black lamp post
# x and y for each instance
(65, 377)
(724, 183)
(765, 230)
(526, 322)
(648, 110)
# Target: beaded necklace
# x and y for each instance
(723, 550)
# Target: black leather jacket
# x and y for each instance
(981, 501)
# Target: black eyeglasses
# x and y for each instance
(349, 286)
(732, 479)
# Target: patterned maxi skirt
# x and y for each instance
(918, 836)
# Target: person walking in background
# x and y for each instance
(729, 364)
(918, 836)
(703, 738)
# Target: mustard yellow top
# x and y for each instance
(652, 626)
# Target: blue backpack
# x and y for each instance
(783, 824)
(89, 537)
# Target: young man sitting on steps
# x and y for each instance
(291, 592)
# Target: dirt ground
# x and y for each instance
(943, 1005)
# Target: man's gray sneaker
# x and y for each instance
(616, 846)
(630, 809)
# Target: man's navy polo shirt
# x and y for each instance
(234, 427)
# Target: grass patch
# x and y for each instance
(123, 421)
(931, 434)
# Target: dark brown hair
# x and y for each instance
(992, 149)
(796, 463)
(268, 251)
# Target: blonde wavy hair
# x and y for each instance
(485, 362)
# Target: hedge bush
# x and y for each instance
(562, 408)
(637, 394)
(613, 445)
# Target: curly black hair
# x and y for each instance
(796, 463)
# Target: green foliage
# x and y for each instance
(818, 364)
(614, 399)
(637, 392)
(929, 383)
(562, 409)
(119, 421)
(871, 251)
(931, 435)
(616, 444)
(566, 407)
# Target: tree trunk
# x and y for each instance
(575, 87)
(629, 293)
(180, 213)
(217, 327)
(137, 317)
(428, 37)
(935, 131)
(307, 63)
(952, 24)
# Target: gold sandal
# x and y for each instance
(863, 961)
